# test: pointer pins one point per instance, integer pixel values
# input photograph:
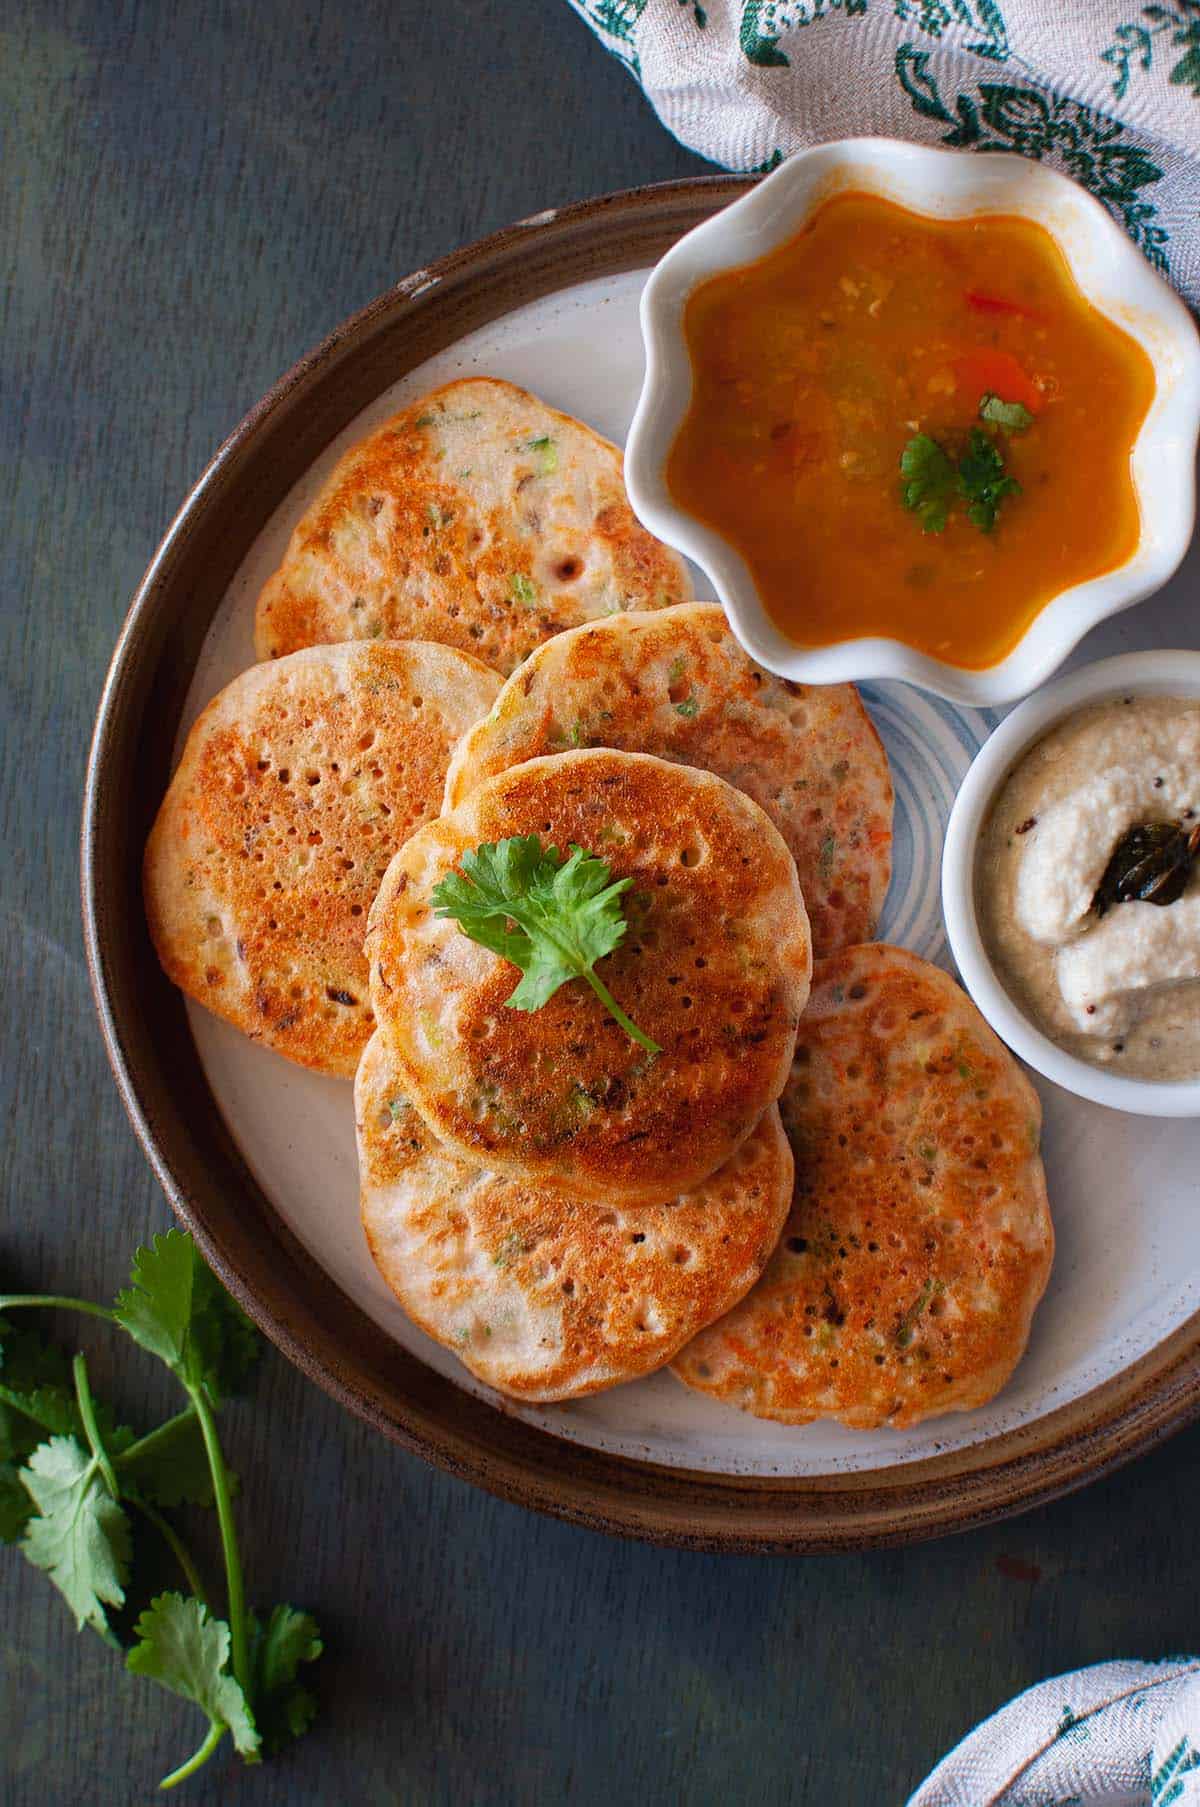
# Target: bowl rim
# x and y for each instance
(201, 1170)
(943, 183)
(1166, 672)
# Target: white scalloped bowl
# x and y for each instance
(943, 184)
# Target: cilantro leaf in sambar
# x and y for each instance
(930, 482)
(983, 480)
(933, 485)
(1011, 417)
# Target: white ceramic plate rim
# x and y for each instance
(1167, 673)
(948, 185)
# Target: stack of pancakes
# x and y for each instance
(472, 638)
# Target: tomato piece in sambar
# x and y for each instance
(815, 367)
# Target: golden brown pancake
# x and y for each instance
(919, 1240)
(538, 1293)
(714, 967)
(479, 517)
(676, 683)
(295, 788)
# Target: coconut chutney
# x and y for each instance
(1088, 888)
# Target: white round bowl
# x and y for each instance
(946, 185)
(1168, 673)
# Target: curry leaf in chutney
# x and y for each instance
(1150, 863)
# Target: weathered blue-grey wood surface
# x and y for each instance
(193, 193)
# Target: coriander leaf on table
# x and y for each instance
(79, 1534)
(225, 1343)
(930, 482)
(983, 480)
(28, 1360)
(35, 1380)
(552, 918)
(19, 1437)
(156, 1308)
(63, 1501)
(182, 1647)
(176, 1309)
(170, 1467)
(1011, 417)
(283, 1707)
(15, 1504)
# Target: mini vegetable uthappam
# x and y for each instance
(296, 786)
(479, 517)
(919, 1240)
(677, 684)
(711, 965)
(538, 1293)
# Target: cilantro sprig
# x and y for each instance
(983, 480)
(930, 482)
(933, 485)
(73, 1484)
(552, 918)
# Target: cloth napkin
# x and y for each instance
(1115, 1735)
(1106, 90)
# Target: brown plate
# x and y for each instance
(176, 1119)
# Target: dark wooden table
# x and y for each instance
(192, 195)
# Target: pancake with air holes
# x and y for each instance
(714, 968)
(478, 517)
(296, 786)
(919, 1239)
(540, 1294)
(676, 683)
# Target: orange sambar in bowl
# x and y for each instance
(911, 427)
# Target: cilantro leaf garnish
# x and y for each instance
(183, 1648)
(983, 481)
(1012, 417)
(550, 917)
(68, 1473)
(932, 484)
